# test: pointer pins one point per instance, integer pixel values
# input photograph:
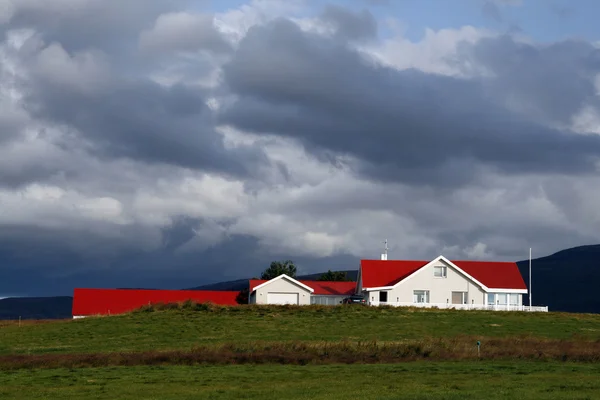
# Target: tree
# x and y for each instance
(242, 296)
(279, 267)
(336, 276)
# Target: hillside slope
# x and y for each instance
(566, 280)
(36, 307)
(192, 325)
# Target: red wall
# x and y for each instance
(117, 301)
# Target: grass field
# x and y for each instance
(417, 380)
(186, 329)
(201, 352)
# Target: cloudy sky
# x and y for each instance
(171, 143)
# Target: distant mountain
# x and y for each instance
(236, 285)
(240, 284)
(36, 307)
(565, 281)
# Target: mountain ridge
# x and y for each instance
(572, 271)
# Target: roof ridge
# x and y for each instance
(485, 261)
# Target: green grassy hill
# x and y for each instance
(183, 329)
(192, 351)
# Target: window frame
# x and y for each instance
(444, 273)
(464, 299)
(499, 299)
(424, 293)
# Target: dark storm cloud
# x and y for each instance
(49, 268)
(350, 25)
(144, 121)
(405, 125)
(14, 177)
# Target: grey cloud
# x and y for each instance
(101, 24)
(141, 120)
(407, 125)
(183, 32)
(14, 177)
(350, 25)
(549, 83)
(11, 126)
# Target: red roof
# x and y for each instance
(320, 287)
(118, 301)
(254, 283)
(492, 274)
(377, 273)
(331, 288)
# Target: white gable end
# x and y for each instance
(439, 289)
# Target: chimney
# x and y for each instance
(385, 250)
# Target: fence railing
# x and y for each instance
(497, 307)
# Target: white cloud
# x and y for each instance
(203, 196)
(235, 23)
(435, 53)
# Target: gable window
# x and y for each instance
(421, 296)
(383, 297)
(440, 272)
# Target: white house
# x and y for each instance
(444, 284)
(286, 290)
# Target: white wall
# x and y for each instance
(440, 289)
(326, 300)
(280, 286)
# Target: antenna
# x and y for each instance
(530, 304)
(385, 250)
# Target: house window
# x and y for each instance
(421, 296)
(459, 297)
(440, 272)
(491, 299)
(502, 299)
(514, 299)
(383, 297)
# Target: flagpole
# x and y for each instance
(530, 304)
